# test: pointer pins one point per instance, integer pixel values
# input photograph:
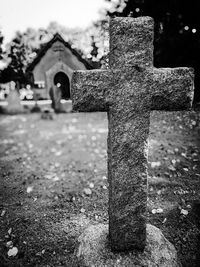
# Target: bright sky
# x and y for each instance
(20, 14)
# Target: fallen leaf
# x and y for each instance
(171, 168)
(91, 185)
(58, 153)
(173, 161)
(3, 213)
(56, 178)
(159, 210)
(184, 212)
(170, 151)
(159, 192)
(57, 164)
(9, 231)
(184, 155)
(155, 164)
(194, 123)
(29, 189)
(9, 244)
(12, 252)
(87, 191)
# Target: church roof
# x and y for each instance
(46, 46)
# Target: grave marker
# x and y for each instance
(56, 95)
(13, 99)
(128, 91)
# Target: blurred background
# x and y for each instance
(26, 26)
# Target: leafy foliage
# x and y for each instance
(177, 30)
(1, 41)
(18, 55)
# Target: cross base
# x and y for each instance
(94, 250)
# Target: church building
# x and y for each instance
(53, 66)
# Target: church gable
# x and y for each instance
(55, 51)
(55, 59)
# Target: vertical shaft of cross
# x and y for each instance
(131, 42)
(127, 174)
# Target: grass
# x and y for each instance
(47, 166)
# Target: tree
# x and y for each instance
(23, 48)
(4, 75)
(1, 42)
(25, 45)
(19, 53)
(177, 31)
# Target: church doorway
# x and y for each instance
(62, 81)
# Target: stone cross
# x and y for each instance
(128, 91)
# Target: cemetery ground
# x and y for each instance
(53, 184)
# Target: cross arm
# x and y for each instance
(89, 90)
(172, 89)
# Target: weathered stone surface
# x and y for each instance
(94, 251)
(94, 89)
(172, 89)
(131, 42)
(128, 92)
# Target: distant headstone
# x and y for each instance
(56, 95)
(128, 92)
(14, 102)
